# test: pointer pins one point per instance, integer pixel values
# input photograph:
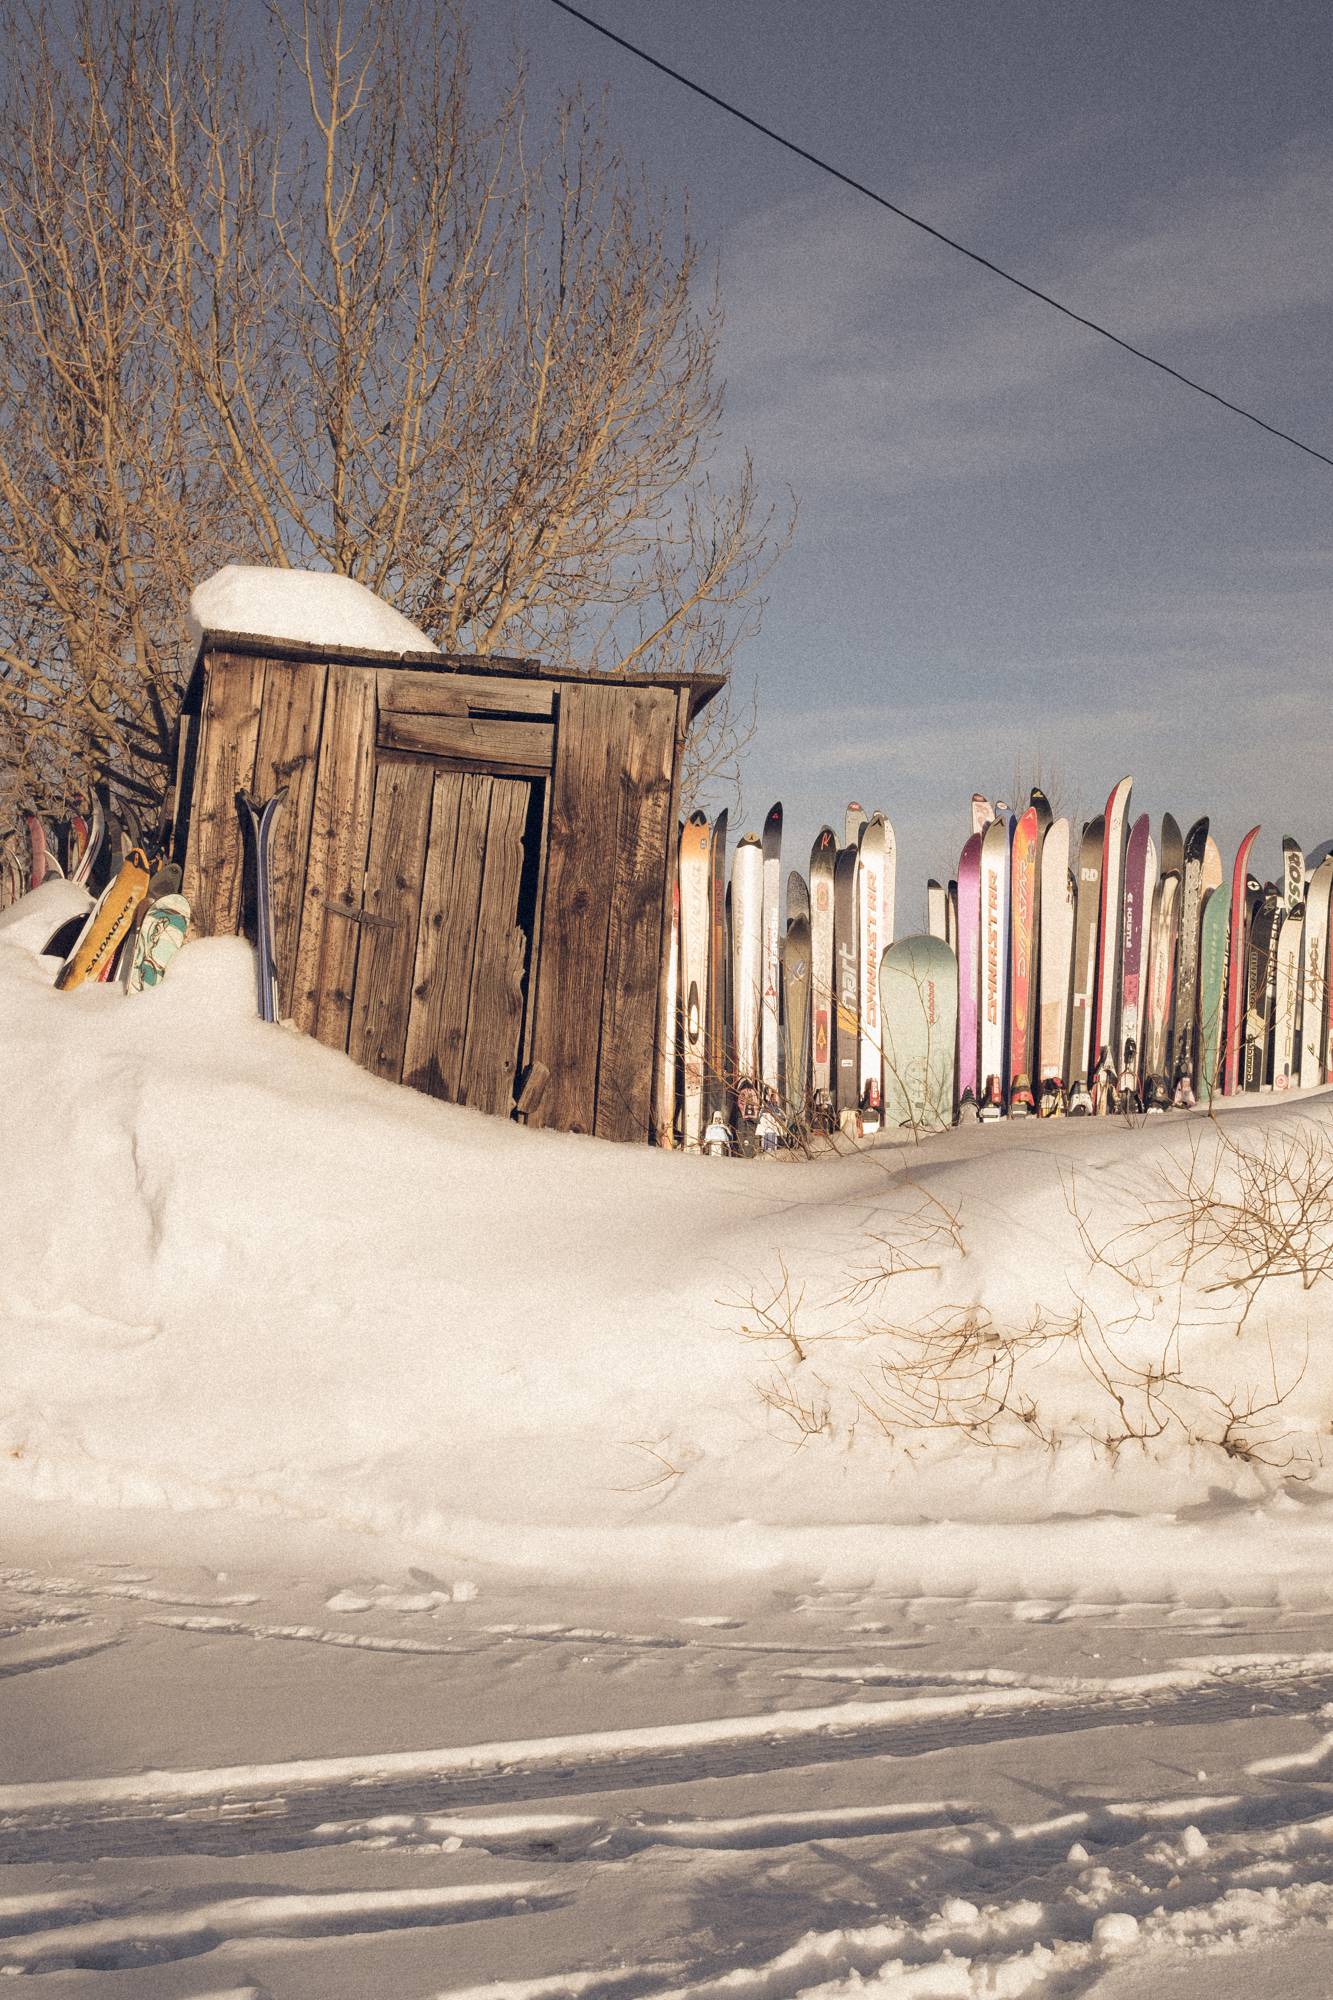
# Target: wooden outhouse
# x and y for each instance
(472, 865)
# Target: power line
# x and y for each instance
(950, 242)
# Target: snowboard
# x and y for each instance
(160, 936)
(918, 980)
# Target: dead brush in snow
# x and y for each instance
(1157, 1341)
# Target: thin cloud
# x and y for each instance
(858, 353)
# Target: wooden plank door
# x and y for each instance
(466, 1013)
(608, 847)
(395, 867)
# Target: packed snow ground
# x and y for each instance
(442, 1557)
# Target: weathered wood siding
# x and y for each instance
(472, 870)
(607, 855)
(467, 991)
(228, 739)
(325, 968)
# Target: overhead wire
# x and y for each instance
(918, 222)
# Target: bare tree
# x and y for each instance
(343, 320)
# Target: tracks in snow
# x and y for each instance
(237, 1809)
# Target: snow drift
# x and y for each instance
(312, 606)
(241, 1274)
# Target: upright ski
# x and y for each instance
(1236, 956)
(1055, 963)
(1286, 998)
(1083, 1001)
(772, 949)
(1022, 962)
(994, 964)
(796, 1017)
(870, 932)
(717, 1082)
(822, 859)
(1104, 1034)
(1140, 875)
(1314, 993)
(695, 867)
(1214, 951)
(847, 1008)
(1184, 1052)
(969, 974)
(262, 819)
(747, 904)
(668, 1053)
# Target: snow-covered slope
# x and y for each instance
(239, 1274)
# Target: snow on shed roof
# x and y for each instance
(309, 606)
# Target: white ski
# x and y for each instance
(695, 856)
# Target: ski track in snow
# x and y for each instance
(924, 1894)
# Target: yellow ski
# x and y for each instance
(110, 923)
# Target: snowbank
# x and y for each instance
(241, 1275)
(311, 606)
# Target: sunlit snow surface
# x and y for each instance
(311, 606)
(419, 1576)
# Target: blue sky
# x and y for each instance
(1016, 545)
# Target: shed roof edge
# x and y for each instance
(702, 687)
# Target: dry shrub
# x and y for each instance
(1133, 1361)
